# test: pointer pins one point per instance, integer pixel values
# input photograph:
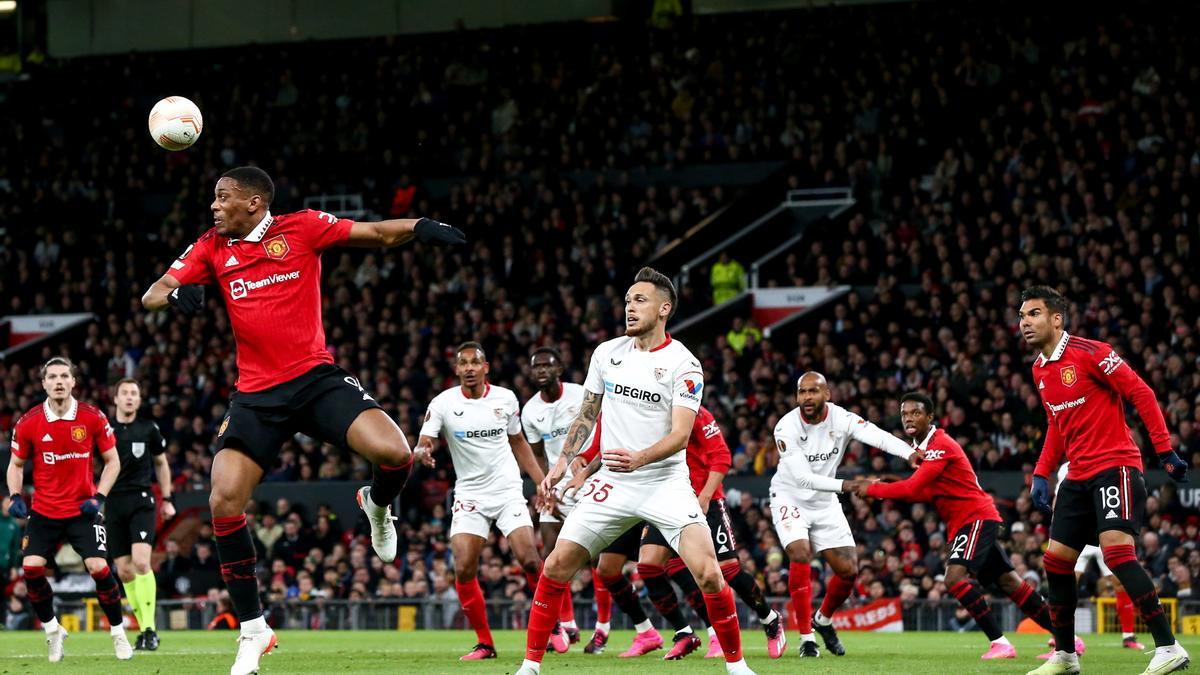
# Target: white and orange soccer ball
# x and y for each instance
(175, 123)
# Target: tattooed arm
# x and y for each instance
(577, 436)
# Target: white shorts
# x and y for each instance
(606, 509)
(1088, 554)
(472, 515)
(565, 506)
(824, 527)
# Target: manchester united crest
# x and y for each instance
(1068, 375)
(224, 426)
(24, 542)
(276, 247)
(79, 434)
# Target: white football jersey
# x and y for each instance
(548, 423)
(640, 388)
(809, 454)
(477, 432)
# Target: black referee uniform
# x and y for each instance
(129, 512)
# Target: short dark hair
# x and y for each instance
(126, 380)
(58, 361)
(920, 398)
(470, 345)
(547, 349)
(1056, 302)
(661, 281)
(253, 179)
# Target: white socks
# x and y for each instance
(117, 630)
(254, 626)
(570, 624)
(807, 637)
(605, 626)
(712, 632)
(685, 631)
(1002, 641)
(51, 626)
(644, 626)
(818, 618)
(537, 667)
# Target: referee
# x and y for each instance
(129, 511)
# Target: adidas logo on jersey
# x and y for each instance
(47, 438)
(1110, 514)
(1041, 384)
(232, 261)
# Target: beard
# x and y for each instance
(643, 328)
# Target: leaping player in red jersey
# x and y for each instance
(1084, 384)
(268, 268)
(976, 561)
(58, 438)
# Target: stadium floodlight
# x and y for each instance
(8, 6)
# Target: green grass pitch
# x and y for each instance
(431, 652)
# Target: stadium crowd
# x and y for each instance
(1006, 156)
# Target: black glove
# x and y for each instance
(428, 230)
(1175, 467)
(188, 299)
(18, 508)
(1040, 494)
(92, 505)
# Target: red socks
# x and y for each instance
(1125, 611)
(470, 594)
(800, 588)
(547, 603)
(839, 589)
(567, 612)
(603, 598)
(723, 613)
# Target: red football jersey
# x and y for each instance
(706, 451)
(61, 451)
(946, 480)
(1082, 385)
(271, 281)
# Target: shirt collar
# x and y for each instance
(1058, 350)
(924, 445)
(69, 417)
(256, 235)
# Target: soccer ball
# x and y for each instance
(175, 123)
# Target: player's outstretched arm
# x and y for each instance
(389, 233)
(869, 434)
(911, 486)
(524, 454)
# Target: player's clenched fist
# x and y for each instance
(428, 230)
(1039, 493)
(18, 508)
(92, 505)
(424, 456)
(188, 298)
(1175, 467)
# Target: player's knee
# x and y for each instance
(849, 571)
(465, 571)
(800, 555)
(396, 454)
(95, 565)
(141, 567)
(709, 578)
(222, 503)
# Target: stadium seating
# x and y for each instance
(1003, 156)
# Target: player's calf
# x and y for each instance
(1122, 560)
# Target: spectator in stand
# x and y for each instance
(11, 531)
(728, 279)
